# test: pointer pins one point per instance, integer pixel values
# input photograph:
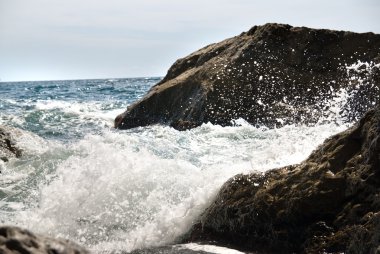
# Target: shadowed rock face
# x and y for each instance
(269, 73)
(328, 203)
(8, 148)
(16, 240)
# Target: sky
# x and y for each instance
(84, 39)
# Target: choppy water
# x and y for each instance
(116, 190)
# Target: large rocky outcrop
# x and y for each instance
(8, 147)
(16, 240)
(273, 74)
(328, 203)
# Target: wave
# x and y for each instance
(121, 190)
(143, 187)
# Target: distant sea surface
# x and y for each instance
(120, 190)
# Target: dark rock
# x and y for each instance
(167, 250)
(269, 73)
(328, 203)
(8, 147)
(16, 240)
(186, 249)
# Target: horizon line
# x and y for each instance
(78, 79)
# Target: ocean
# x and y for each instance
(120, 190)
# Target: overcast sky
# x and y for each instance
(79, 39)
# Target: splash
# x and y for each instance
(141, 188)
(122, 190)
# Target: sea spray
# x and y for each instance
(121, 190)
(143, 187)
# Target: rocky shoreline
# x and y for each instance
(328, 203)
(273, 75)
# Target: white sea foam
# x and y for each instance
(210, 248)
(133, 189)
(122, 190)
(83, 109)
(360, 67)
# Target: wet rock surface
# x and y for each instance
(328, 203)
(192, 248)
(271, 75)
(167, 250)
(16, 240)
(8, 146)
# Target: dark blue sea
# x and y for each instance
(112, 190)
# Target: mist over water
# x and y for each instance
(113, 190)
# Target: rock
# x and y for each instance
(8, 147)
(271, 75)
(166, 250)
(16, 240)
(330, 203)
(191, 248)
